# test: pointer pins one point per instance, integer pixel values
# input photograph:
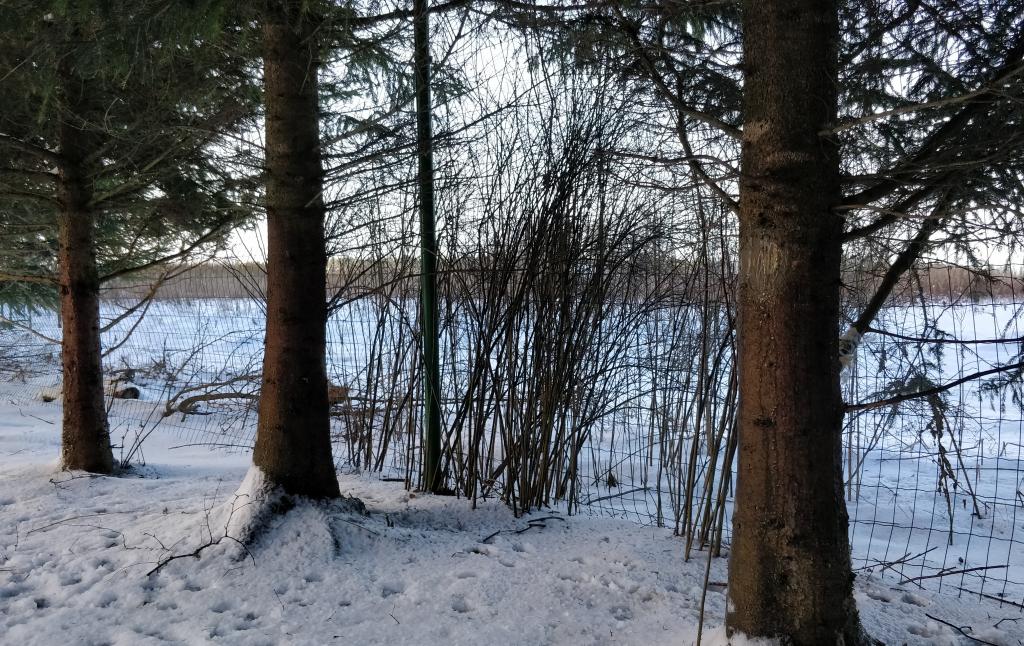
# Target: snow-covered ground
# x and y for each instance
(78, 553)
(939, 483)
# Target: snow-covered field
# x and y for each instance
(76, 555)
(939, 483)
(910, 489)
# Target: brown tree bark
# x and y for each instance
(293, 444)
(85, 434)
(789, 568)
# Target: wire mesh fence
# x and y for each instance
(619, 403)
(935, 482)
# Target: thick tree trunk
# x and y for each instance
(293, 443)
(789, 569)
(85, 434)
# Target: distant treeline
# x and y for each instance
(348, 279)
(941, 282)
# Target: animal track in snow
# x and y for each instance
(879, 594)
(459, 604)
(220, 606)
(14, 590)
(915, 600)
(67, 579)
(484, 550)
(106, 600)
(621, 613)
(390, 588)
(576, 577)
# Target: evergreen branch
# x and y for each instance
(921, 339)
(989, 88)
(933, 144)
(928, 392)
(444, 7)
(26, 328)
(405, 14)
(889, 215)
(184, 252)
(672, 97)
(143, 302)
(138, 182)
(27, 278)
(114, 348)
(904, 261)
(39, 197)
(31, 149)
(520, 5)
(38, 175)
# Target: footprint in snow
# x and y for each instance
(148, 631)
(459, 604)
(106, 600)
(915, 600)
(921, 630)
(483, 550)
(622, 613)
(880, 595)
(152, 584)
(220, 606)
(67, 579)
(392, 588)
(10, 591)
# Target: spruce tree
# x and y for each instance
(108, 115)
(293, 442)
(790, 562)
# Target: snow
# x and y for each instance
(76, 553)
(241, 513)
(897, 509)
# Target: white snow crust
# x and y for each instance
(75, 551)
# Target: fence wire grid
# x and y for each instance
(624, 407)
